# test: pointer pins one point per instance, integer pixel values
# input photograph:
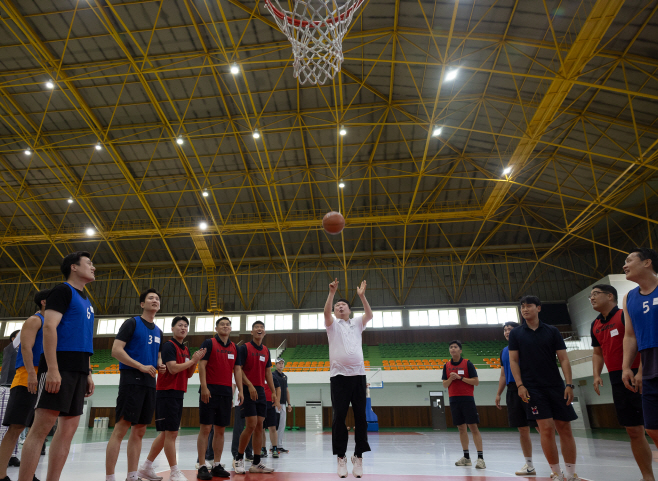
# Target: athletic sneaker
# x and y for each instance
(203, 473)
(573, 477)
(177, 476)
(357, 467)
(526, 471)
(275, 453)
(282, 450)
(263, 452)
(219, 471)
(556, 477)
(260, 468)
(480, 464)
(464, 461)
(14, 461)
(249, 457)
(342, 467)
(239, 466)
(148, 474)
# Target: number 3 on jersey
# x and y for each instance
(150, 339)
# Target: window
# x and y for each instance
(12, 326)
(207, 324)
(273, 322)
(164, 323)
(384, 319)
(434, 317)
(491, 315)
(109, 326)
(311, 321)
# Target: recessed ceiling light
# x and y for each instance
(203, 226)
(90, 231)
(235, 69)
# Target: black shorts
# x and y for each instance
(70, 399)
(254, 408)
(628, 405)
(20, 407)
(135, 403)
(168, 413)
(517, 410)
(463, 410)
(217, 411)
(549, 403)
(650, 402)
(270, 416)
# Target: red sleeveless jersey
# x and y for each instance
(219, 369)
(176, 381)
(255, 364)
(459, 387)
(610, 336)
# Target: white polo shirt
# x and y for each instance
(345, 352)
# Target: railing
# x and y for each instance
(575, 342)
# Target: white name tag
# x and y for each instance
(187, 359)
(460, 372)
(614, 333)
(231, 356)
(655, 302)
(157, 340)
(262, 358)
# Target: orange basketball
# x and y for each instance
(333, 223)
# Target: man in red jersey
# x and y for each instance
(607, 340)
(254, 357)
(170, 390)
(216, 371)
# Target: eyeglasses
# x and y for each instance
(591, 296)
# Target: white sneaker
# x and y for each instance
(573, 477)
(260, 468)
(239, 466)
(464, 462)
(480, 464)
(557, 477)
(342, 467)
(357, 467)
(526, 471)
(177, 476)
(148, 474)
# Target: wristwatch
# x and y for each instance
(571, 386)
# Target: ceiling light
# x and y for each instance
(235, 69)
(203, 226)
(50, 84)
(180, 140)
(451, 75)
(99, 146)
(205, 193)
(507, 171)
(256, 134)
(341, 184)
(437, 131)
(70, 200)
(28, 152)
(90, 231)
(342, 130)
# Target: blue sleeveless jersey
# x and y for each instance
(75, 331)
(37, 349)
(504, 360)
(144, 345)
(644, 315)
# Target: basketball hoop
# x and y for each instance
(315, 29)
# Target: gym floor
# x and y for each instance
(421, 455)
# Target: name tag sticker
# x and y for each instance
(187, 359)
(157, 340)
(614, 332)
(262, 358)
(231, 356)
(655, 301)
(460, 372)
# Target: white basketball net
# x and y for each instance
(315, 29)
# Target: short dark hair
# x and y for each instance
(606, 288)
(224, 318)
(459, 343)
(142, 296)
(345, 301)
(13, 335)
(40, 296)
(530, 300)
(257, 322)
(69, 260)
(510, 323)
(175, 320)
(645, 253)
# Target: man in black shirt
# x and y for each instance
(64, 370)
(285, 401)
(532, 350)
(137, 347)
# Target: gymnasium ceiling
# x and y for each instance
(562, 92)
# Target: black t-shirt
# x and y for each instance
(282, 379)
(59, 300)
(125, 334)
(537, 354)
(216, 389)
(168, 353)
(472, 372)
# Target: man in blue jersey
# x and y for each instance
(64, 369)
(516, 409)
(641, 315)
(23, 393)
(137, 347)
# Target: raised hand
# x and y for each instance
(333, 286)
(361, 289)
(197, 356)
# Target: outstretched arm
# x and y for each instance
(328, 306)
(367, 312)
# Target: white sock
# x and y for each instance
(174, 468)
(528, 461)
(216, 463)
(570, 469)
(110, 477)
(556, 468)
(147, 463)
(132, 476)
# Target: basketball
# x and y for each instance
(333, 223)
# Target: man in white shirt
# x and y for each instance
(348, 376)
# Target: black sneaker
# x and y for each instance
(6, 478)
(203, 473)
(283, 450)
(13, 461)
(275, 453)
(263, 452)
(249, 457)
(35, 478)
(219, 472)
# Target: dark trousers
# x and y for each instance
(238, 427)
(346, 390)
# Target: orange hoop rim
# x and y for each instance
(305, 23)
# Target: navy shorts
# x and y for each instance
(168, 412)
(463, 410)
(650, 402)
(517, 410)
(628, 405)
(251, 408)
(549, 403)
(135, 403)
